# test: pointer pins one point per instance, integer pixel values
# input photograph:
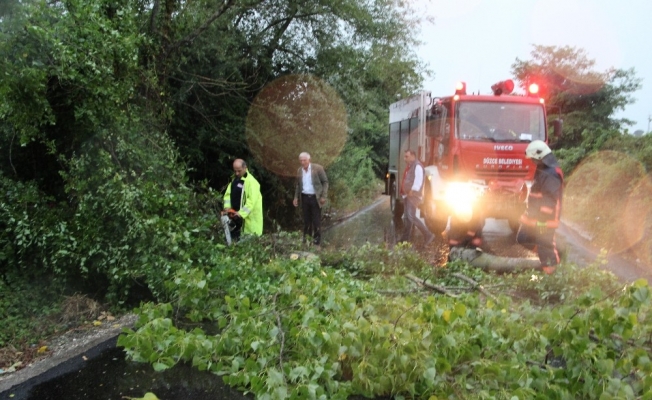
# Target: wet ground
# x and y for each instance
(375, 225)
(103, 373)
(372, 225)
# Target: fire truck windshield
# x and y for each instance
(499, 121)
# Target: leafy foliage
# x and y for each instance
(117, 191)
(618, 186)
(356, 51)
(292, 328)
(639, 148)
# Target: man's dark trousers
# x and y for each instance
(311, 217)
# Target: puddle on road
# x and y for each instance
(110, 376)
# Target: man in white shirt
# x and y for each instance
(311, 191)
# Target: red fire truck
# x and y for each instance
(473, 151)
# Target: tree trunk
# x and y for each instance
(489, 262)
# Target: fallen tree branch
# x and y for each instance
(614, 336)
(466, 288)
(398, 292)
(402, 314)
(536, 364)
(489, 262)
(423, 282)
(476, 285)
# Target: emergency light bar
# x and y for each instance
(460, 88)
(533, 89)
(503, 87)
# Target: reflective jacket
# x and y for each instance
(251, 205)
(544, 200)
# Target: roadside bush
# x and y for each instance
(131, 218)
(599, 194)
(26, 304)
(638, 147)
(570, 158)
(30, 224)
(609, 192)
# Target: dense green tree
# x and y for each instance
(586, 99)
(92, 187)
(361, 49)
(108, 104)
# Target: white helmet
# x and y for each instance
(537, 149)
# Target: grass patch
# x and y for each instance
(610, 195)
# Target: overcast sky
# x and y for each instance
(477, 41)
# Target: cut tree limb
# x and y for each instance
(476, 286)
(489, 262)
(423, 282)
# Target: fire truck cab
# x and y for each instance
(472, 148)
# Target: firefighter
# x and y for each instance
(243, 202)
(538, 223)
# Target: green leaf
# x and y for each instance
(274, 378)
(158, 367)
(429, 374)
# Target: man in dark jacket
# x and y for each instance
(538, 224)
(311, 192)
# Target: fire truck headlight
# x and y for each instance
(460, 198)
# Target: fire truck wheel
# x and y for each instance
(434, 217)
(432, 213)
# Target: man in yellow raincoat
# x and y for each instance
(243, 202)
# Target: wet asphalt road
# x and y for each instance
(374, 225)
